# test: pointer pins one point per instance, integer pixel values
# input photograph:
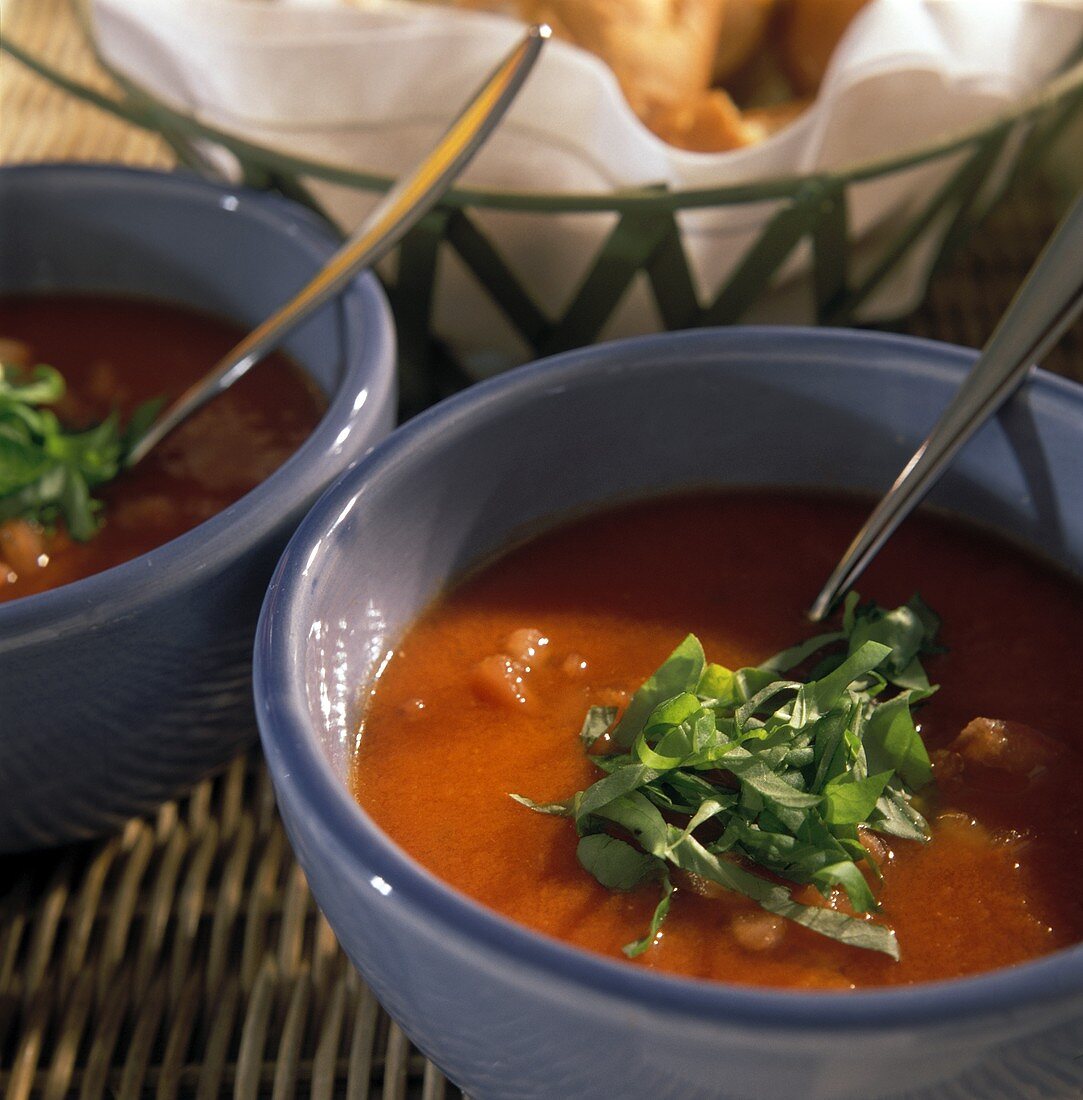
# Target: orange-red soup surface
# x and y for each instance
(463, 714)
(116, 353)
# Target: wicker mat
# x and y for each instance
(185, 957)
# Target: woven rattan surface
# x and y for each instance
(185, 956)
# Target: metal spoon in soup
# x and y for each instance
(1048, 301)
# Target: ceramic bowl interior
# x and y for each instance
(166, 237)
(767, 407)
(124, 687)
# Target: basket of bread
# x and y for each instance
(670, 163)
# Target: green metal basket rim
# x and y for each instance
(148, 110)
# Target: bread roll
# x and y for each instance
(744, 30)
(808, 32)
(708, 122)
(661, 51)
(666, 54)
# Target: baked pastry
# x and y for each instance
(743, 33)
(807, 33)
(661, 51)
(672, 58)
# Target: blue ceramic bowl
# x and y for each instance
(509, 1013)
(119, 690)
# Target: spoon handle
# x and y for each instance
(399, 210)
(1044, 306)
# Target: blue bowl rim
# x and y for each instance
(297, 763)
(367, 325)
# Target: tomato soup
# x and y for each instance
(115, 353)
(486, 694)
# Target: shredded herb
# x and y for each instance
(724, 773)
(47, 473)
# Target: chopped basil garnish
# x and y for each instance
(721, 773)
(46, 472)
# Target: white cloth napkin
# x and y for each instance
(373, 84)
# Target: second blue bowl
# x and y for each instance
(121, 689)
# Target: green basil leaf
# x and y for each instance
(47, 472)
(849, 801)
(719, 685)
(614, 863)
(616, 785)
(848, 875)
(896, 816)
(680, 672)
(824, 694)
(596, 724)
(636, 813)
(660, 912)
(893, 743)
(553, 809)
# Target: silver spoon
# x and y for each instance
(1049, 299)
(405, 204)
